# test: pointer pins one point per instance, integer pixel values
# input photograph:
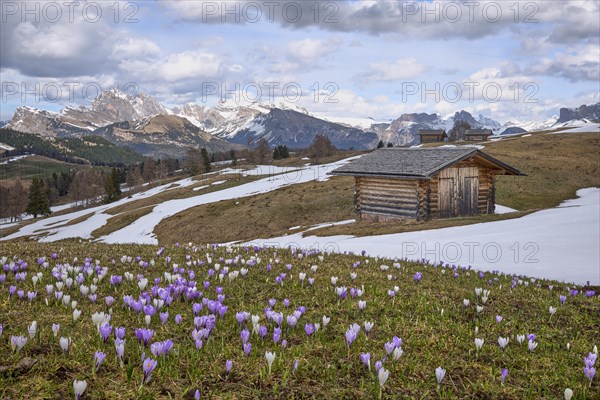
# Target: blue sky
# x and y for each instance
(374, 59)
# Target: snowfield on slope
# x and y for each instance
(559, 243)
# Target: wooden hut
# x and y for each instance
(432, 136)
(424, 183)
(477, 135)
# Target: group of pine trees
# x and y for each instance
(281, 152)
(381, 144)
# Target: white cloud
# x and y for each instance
(309, 51)
(578, 64)
(135, 48)
(391, 71)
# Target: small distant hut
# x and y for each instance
(477, 135)
(424, 183)
(432, 136)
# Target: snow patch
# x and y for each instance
(559, 243)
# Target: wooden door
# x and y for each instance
(467, 195)
(458, 191)
(446, 197)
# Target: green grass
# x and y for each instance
(429, 316)
(32, 166)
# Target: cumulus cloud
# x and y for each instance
(579, 64)
(61, 49)
(404, 68)
(442, 19)
(135, 48)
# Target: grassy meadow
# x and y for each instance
(210, 305)
(557, 165)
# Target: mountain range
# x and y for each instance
(142, 123)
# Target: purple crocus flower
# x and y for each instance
(149, 310)
(240, 317)
(311, 281)
(378, 366)
(504, 375)
(228, 366)
(178, 319)
(590, 360)
(589, 373)
(109, 300)
(417, 276)
(498, 318)
(309, 329)
(365, 358)
(286, 302)
(222, 310)
(272, 303)
(262, 331)
(531, 337)
(148, 366)
(276, 334)
(562, 299)
(389, 347)
(144, 335)
(164, 317)
(295, 365)
(196, 308)
(99, 358)
(31, 296)
(350, 336)
(120, 332)
(105, 331)
(247, 347)
(245, 335)
(292, 320)
(397, 341)
(156, 348)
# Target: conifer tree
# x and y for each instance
(38, 198)
(112, 186)
(205, 159)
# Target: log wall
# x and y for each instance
(387, 197)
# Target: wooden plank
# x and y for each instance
(388, 199)
(387, 211)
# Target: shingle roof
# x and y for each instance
(417, 163)
(478, 132)
(432, 132)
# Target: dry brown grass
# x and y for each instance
(556, 165)
(268, 214)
